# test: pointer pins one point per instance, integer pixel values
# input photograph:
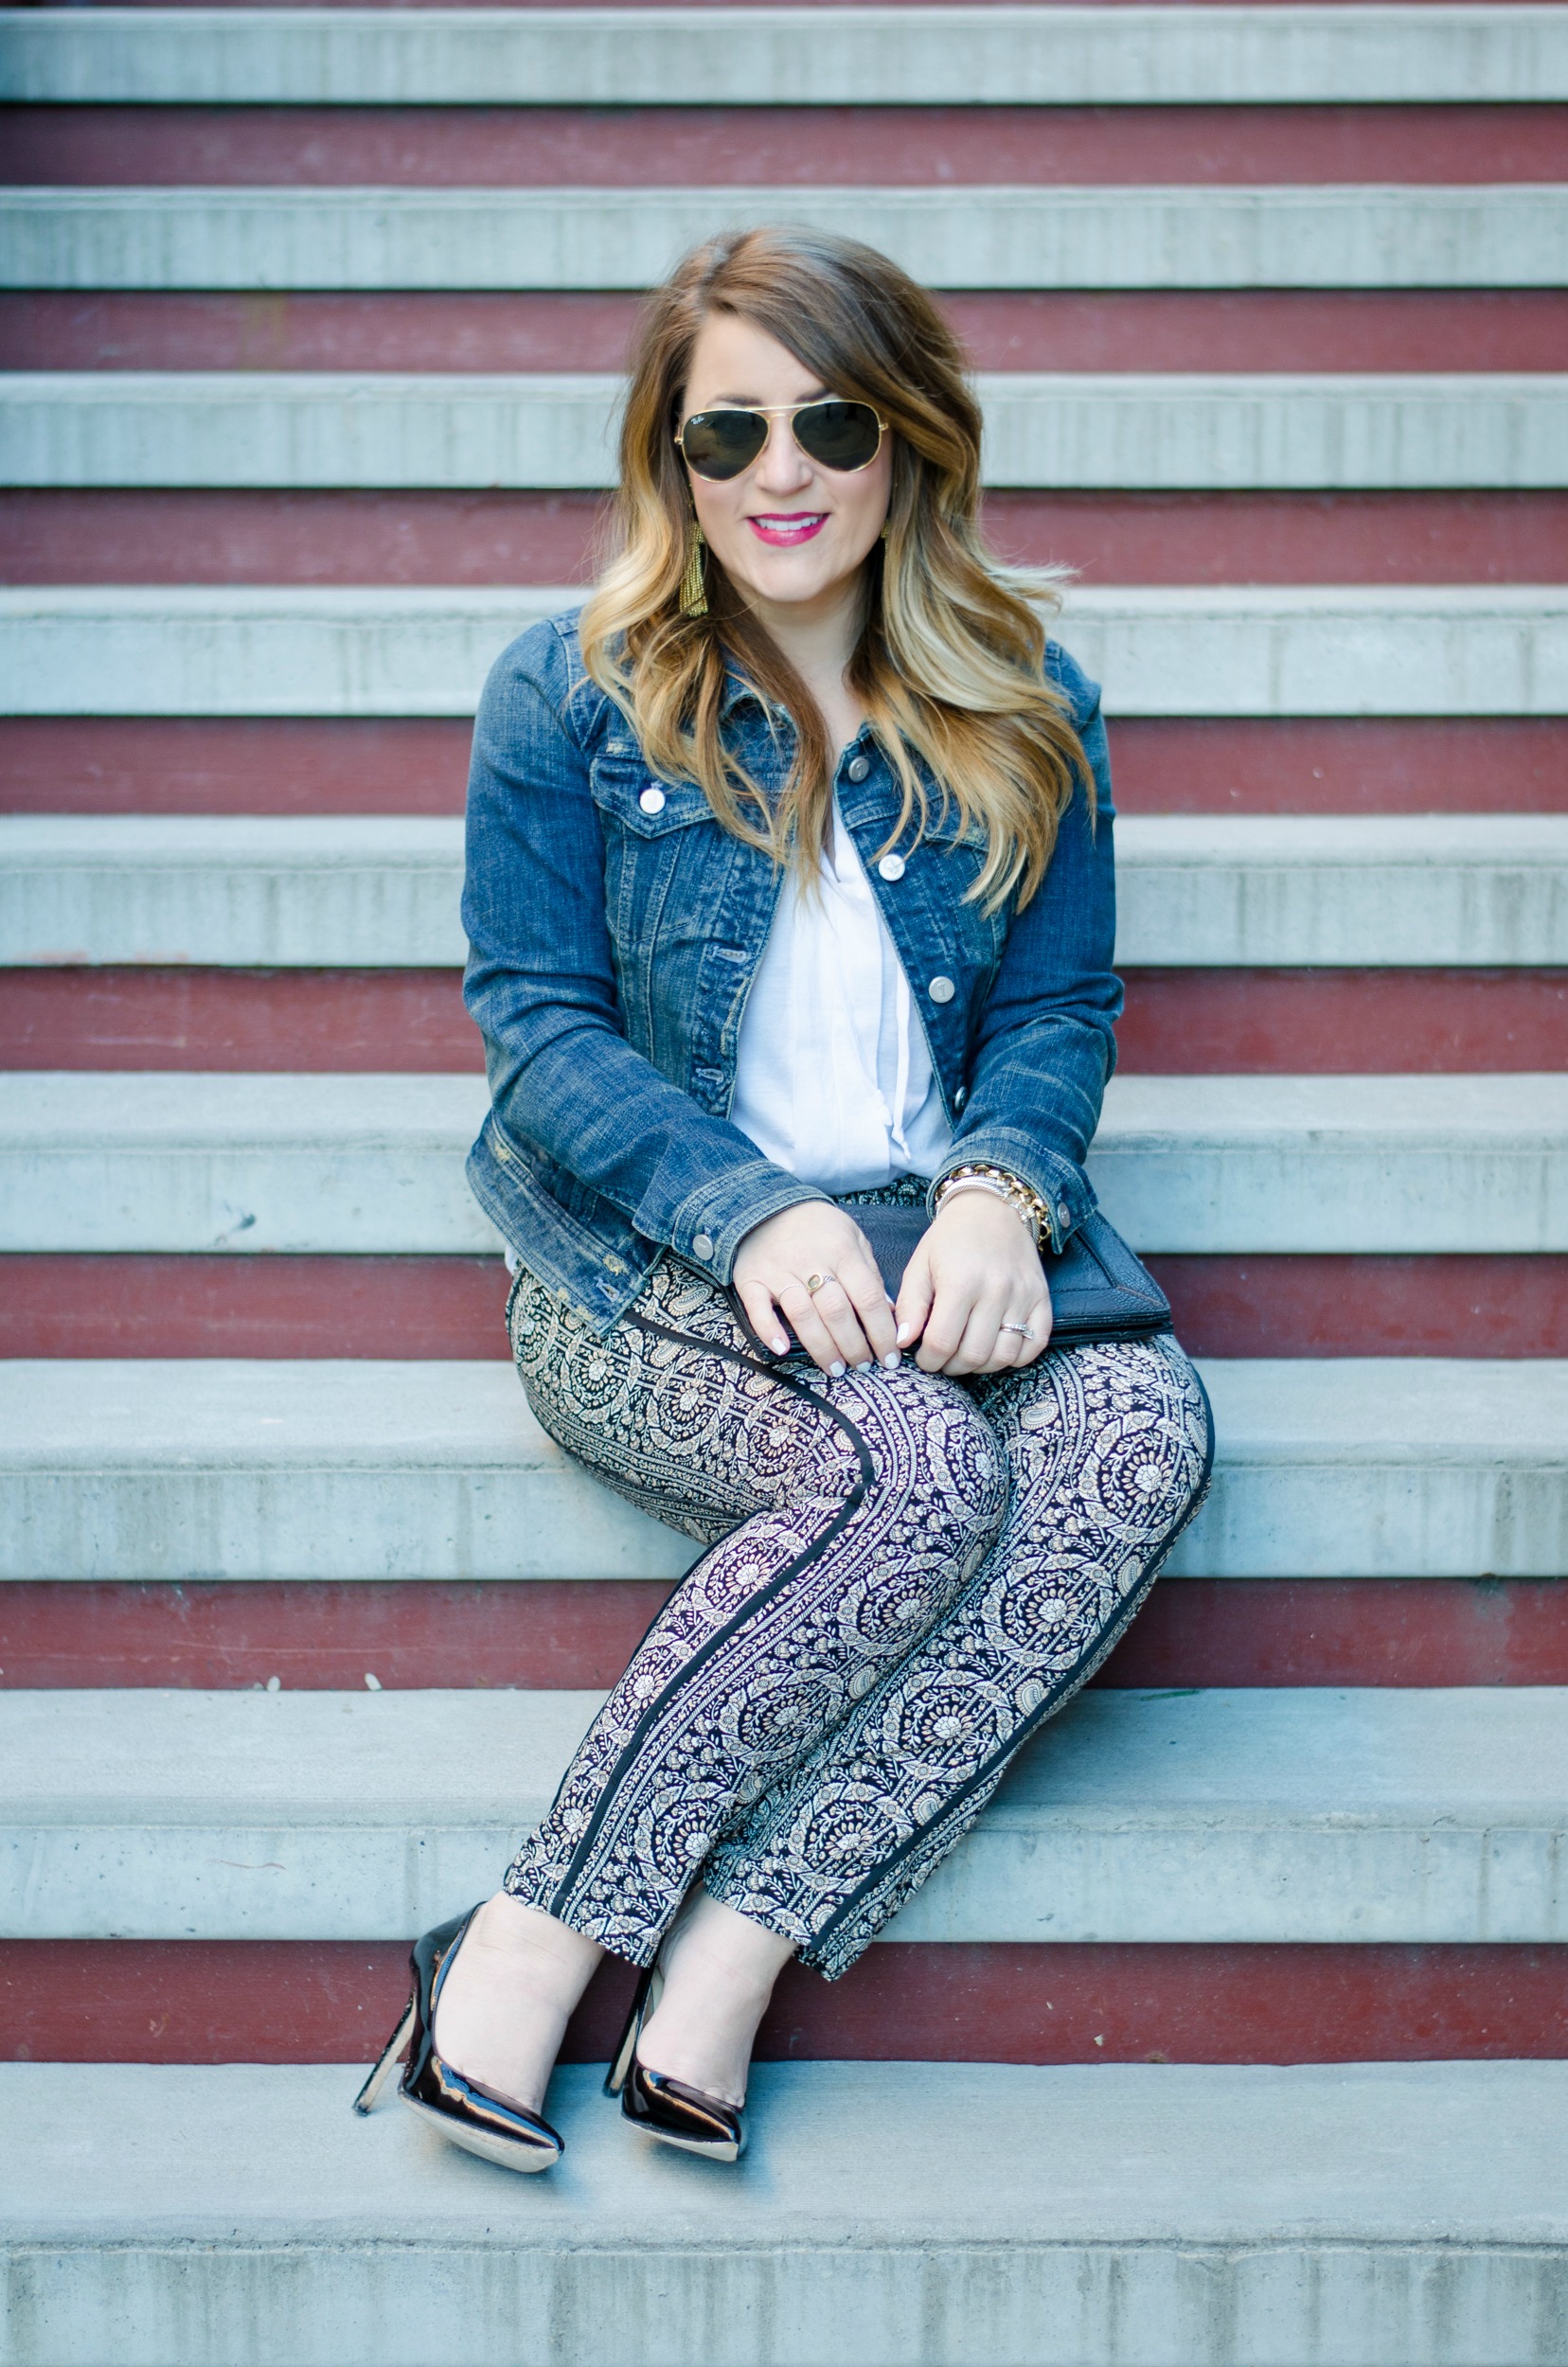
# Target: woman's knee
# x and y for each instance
(1125, 1424)
(939, 1471)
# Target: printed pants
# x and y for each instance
(906, 1576)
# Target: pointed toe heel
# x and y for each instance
(666, 2107)
(466, 2113)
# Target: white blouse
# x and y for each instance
(833, 1078)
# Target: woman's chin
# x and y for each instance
(793, 580)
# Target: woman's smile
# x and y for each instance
(785, 528)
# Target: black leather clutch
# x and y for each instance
(1099, 1289)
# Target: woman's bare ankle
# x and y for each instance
(508, 1996)
(720, 1969)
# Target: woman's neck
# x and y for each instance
(819, 639)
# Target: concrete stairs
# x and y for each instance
(1236, 2032)
(961, 2213)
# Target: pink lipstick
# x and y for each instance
(785, 528)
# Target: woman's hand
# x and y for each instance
(976, 1276)
(847, 1321)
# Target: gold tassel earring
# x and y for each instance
(694, 582)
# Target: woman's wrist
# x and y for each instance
(980, 1176)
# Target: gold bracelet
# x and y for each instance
(1021, 1196)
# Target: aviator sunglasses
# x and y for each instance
(840, 436)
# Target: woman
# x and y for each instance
(790, 892)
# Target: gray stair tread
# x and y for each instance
(168, 1414)
(1274, 1814)
(1159, 649)
(1252, 1758)
(218, 1469)
(774, 56)
(887, 2214)
(175, 1160)
(374, 891)
(1023, 235)
(1085, 430)
(1217, 2153)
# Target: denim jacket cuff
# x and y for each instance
(711, 1223)
(1061, 1182)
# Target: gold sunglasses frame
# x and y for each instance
(782, 411)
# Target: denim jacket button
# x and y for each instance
(892, 866)
(703, 1245)
(941, 990)
(858, 767)
(960, 1096)
(651, 800)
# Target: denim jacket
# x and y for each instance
(614, 929)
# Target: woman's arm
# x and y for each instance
(975, 1295)
(1044, 1044)
(541, 984)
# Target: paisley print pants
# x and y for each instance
(905, 1576)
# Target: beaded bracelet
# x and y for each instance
(1021, 1196)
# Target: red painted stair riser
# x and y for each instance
(697, 147)
(285, 765)
(276, 2001)
(1177, 1022)
(1191, 330)
(417, 1307)
(152, 537)
(549, 1635)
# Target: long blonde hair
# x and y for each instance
(950, 662)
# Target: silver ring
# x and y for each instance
(814, 1282)
(1022, 1331)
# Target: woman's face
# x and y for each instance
(789, 533)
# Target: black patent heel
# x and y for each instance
(369, 2095)
(666, 2107)
(467, 2114)
(642, 2005)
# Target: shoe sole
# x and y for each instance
(691, 2144)
(503, 2151)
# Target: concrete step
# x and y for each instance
(1275, 1814)
(162, 1469)
(1376, 2214)
(1232, 433)
(176, 1160)
(1358, 650)
(381, 891)
(778, 56)
(1357, 235)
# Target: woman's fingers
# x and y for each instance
(847, 1319)
(763, 1316)
(915, 1294)
(868, 1296)
(836, 1309)
(808, 1320)
(953, 1310)
(1039, 1319)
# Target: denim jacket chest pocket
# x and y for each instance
(676, 885)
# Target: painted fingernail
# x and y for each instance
(780, 1345)
(892, 1362)
(906, 1333)
(836, 1369)
(864, 1367)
